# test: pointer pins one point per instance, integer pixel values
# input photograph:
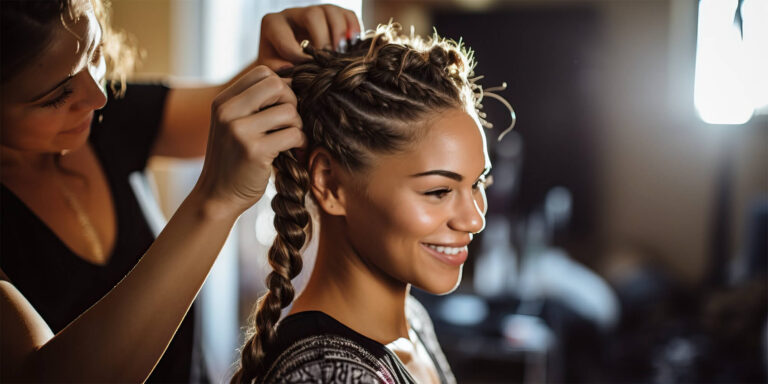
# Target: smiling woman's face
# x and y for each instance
(48, 106)
(419, 209)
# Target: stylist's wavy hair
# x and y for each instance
(27, 26)
(365, 101)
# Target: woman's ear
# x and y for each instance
(325, 182)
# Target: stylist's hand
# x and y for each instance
(252, 121)
(325, 26)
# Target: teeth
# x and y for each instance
(446, 250)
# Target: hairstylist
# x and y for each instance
(86, 292)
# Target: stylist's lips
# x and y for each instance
(82, 126)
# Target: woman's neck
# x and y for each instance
(352, 290)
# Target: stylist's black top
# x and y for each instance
(60, 284)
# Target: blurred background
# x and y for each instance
(627, 236)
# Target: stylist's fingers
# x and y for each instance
(256, 126)
(326, 26)
(272, 90)
(252, 121)
(251, 77)
(312, 19)
(352, 23)
(284, 140)
(337, 24)
(276, 32)
(266, 149)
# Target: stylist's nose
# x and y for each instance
(90, 80)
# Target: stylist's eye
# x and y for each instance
(59, 100)
(438, 193)
(96, 57)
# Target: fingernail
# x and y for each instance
(342, 46)
(355, 39)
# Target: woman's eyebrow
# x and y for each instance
(448, 174)
(440, 172)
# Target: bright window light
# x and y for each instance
(232, 31)
(731, 70)
(755, 14)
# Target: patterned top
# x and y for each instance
(313, 347)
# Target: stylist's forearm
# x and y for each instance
(186, 122)
(126, 332)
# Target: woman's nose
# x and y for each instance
(470, 214)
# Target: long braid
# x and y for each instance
(352, 104)
(291, 221)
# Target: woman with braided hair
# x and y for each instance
(395, 165)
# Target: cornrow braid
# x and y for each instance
(368, 100)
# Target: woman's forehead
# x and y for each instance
(452, 141)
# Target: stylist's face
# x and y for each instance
(48, 106)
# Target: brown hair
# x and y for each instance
(27, 26)
(352, 104)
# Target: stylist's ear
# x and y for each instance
(325, 182)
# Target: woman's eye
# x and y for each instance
(59, 100)
(483, 181)
(439, 193)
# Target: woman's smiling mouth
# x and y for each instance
(454, 256)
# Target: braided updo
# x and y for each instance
(366, 101)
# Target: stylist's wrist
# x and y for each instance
(207, 206)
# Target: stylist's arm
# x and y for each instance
(124, 334)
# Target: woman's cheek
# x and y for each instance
(425, 218)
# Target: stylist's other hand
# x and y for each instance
(252, 121)
(325, 26)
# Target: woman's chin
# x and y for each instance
(442, 286)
